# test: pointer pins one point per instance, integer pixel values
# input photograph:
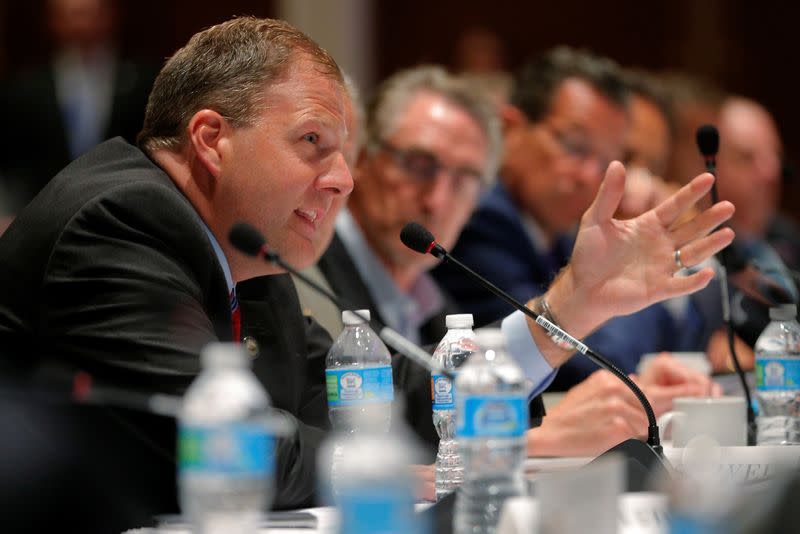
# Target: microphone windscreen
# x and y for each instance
(416, 237)
(246, 238)
(708, 140)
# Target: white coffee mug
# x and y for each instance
(722, 418)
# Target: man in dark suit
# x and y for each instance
(122, 266)
(85, 94)
(129, 270)
(567, 120)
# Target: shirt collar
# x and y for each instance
(406, 312)
(223, 261)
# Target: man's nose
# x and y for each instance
(439, 194)
(338, 180)
(591, 171)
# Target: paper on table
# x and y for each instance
(745, 465)
(638, 513)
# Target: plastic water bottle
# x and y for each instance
(456, 346)
(778, 379)
(491, 420)
(225, 448)
(358, 377)
(374, 491)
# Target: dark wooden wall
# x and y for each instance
(746, 47)
(149, 29)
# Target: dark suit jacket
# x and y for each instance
(497, 245)
(342, 275)
(35, 149)
(784, 236)
(110, 270)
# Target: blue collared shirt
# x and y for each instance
(405, 312)
(223, 261)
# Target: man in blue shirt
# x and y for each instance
(568, 119)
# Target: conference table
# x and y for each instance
(636, 513)
(641, 513)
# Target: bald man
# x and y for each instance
(750, 175)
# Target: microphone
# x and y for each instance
(419, 239)
(708, 144)
(646, 456)
(248, 239)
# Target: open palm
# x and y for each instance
(626, 265)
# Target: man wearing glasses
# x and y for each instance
(567, 120)
(431, 145)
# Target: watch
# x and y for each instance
(542, 308)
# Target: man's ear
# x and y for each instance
(206, 135)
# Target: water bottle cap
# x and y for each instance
(490, 338)
(215, 355)
(784, 312)
(349, 318)
(459, 320)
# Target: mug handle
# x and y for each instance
(668, 419)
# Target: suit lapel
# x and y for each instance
(271, 315)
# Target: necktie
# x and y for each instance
(236, 317)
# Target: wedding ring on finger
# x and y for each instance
(678, 263)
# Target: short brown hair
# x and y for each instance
(645, 85)
(538, 80)
(224, 68)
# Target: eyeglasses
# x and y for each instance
(577, 147)
(423, 167)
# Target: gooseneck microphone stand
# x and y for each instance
(643, 458)
(708, 144)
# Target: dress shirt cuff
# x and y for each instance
(522, 347)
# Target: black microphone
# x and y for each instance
(708, 144)
(419, 239)
(249, 240)
(649, 456)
